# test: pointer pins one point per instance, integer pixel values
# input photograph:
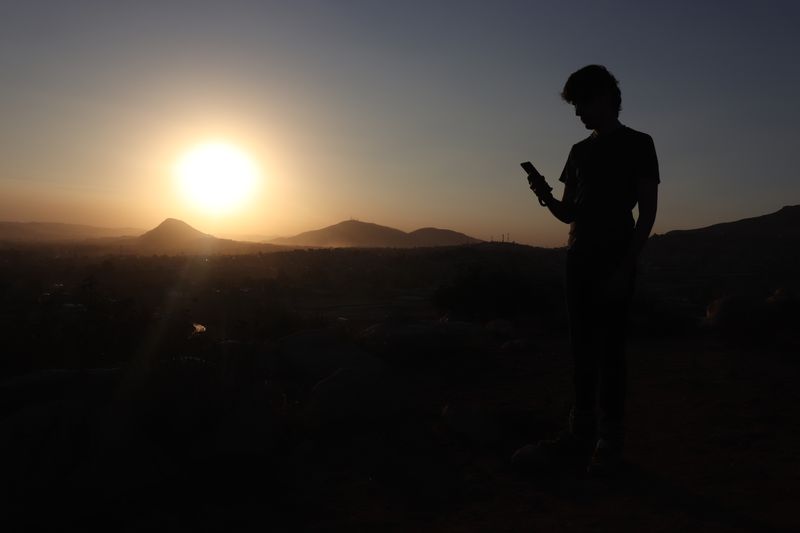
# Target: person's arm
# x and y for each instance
(647, 194)
(563, 209)
(647, 180)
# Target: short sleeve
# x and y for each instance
(568, 174)
(647, 161)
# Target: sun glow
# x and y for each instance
(216, 176)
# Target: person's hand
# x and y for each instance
(536, 181)
(540, 187)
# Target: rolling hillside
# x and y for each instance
(354, 233)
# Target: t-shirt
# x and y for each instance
(603, 171)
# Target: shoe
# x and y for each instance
(564, 452)
(606, 460)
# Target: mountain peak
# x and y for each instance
(173, 222)
(172, 230)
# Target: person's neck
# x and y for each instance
(608, 127)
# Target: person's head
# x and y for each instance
(595, 93)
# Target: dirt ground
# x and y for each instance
(712, 443)
(711, 446)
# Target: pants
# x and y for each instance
(597, 324)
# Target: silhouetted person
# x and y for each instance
(606, 175)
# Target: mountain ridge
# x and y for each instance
(355, 233)
(781, 219)
(779, 230)
(59, 231)
(764, 243)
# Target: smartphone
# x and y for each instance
(528, 167)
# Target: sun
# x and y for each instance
(216, 176)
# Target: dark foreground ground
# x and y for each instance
(376, 391)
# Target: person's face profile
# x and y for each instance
(594, 110)
(586, 111)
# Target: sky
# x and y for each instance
(406, 114)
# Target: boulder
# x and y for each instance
(499, 328)
(315, 354)
(426, 342)
(358, 392)
(473, 423)
(520, 346)
(737, 312)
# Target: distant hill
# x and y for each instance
(42, 232)
(778, 225)
(346, 234)
(175, 236)
(767, 243)
(171, 237)
(439, 237)
(354, 233)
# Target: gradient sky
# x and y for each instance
(407, 114)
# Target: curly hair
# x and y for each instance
(589, 82)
